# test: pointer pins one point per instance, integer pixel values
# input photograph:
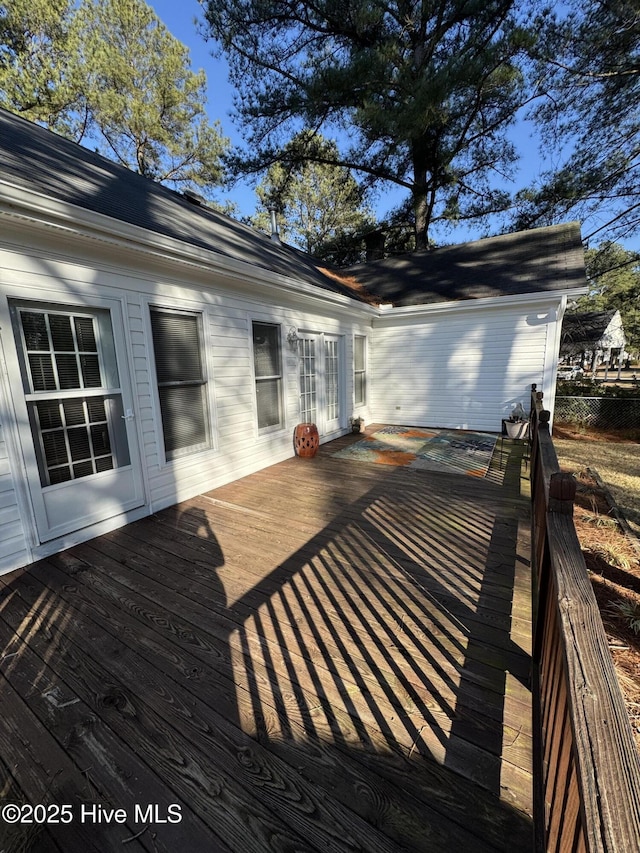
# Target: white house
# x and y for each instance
(595, 336)
(152, 349)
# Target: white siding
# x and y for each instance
(461, 370)
(13, 548)
(237, 448)
(457, 368)
(47, 270)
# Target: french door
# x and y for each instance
(79, 443)
(321, 381)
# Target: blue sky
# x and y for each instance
(179, 18)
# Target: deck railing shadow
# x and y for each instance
(372, 661)
(388, 636)
(587, 770)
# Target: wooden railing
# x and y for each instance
(586, 766)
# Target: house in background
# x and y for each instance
(595, 337)
(153, 349)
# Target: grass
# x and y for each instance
(629, 611)
(617, 463)
(611, 556)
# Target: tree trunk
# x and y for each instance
(421, 219)
(422, 197)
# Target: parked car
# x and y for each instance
(569, 373)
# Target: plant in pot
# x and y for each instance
(517, 425)
(357, 424)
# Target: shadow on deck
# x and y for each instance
(325, 655)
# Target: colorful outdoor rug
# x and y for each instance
(430, 450)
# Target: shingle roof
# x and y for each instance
(37, 159)
(585, 329)
(544, 259)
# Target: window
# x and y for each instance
(359, 370)
(308, 374)
(182, 384)
(71, 385)
(267, 363)
(332, 378)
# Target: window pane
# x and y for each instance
(74, 412)
(267, 367)
(60, 475)
(42, 375)
(35, 331)
(49, 415)
(74, 445)
(181, 380)
(266, 349)
(359, 366)
(83, 469)
(61, 333)
(55, 448)
(85, 334)
(307, 351)
(78, 443)
(104, 464)
(68, 375)
(331, 378)
(96, 409)
(54, 332)
(90, 371)
(176, 345)
(183, 416)
(268, 399)
(78, 436)
(100, 440)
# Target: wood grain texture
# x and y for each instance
(321, 656)
(589, 797)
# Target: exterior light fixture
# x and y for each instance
(292, 338)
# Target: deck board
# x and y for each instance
(326, 655)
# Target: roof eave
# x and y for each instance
(505, 301)
(46, 212)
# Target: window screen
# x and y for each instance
(181, 381)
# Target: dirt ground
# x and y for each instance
(611, 554)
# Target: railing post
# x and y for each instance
(562, 493)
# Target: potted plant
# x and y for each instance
(357, 424)
(517, 425)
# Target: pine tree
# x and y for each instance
(320, 206)
(424, 91)
(109, 74)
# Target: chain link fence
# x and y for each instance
(601, 412)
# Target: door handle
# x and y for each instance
(128, 415)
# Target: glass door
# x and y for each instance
(320, 371)
(308, 380)
(80, 465)
(332, 386)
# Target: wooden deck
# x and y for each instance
(323, 656)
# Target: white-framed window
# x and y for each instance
(72, 390)
(308, 380)
(360, 369)
(332, 378)
(267, 364)
(182, 380)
